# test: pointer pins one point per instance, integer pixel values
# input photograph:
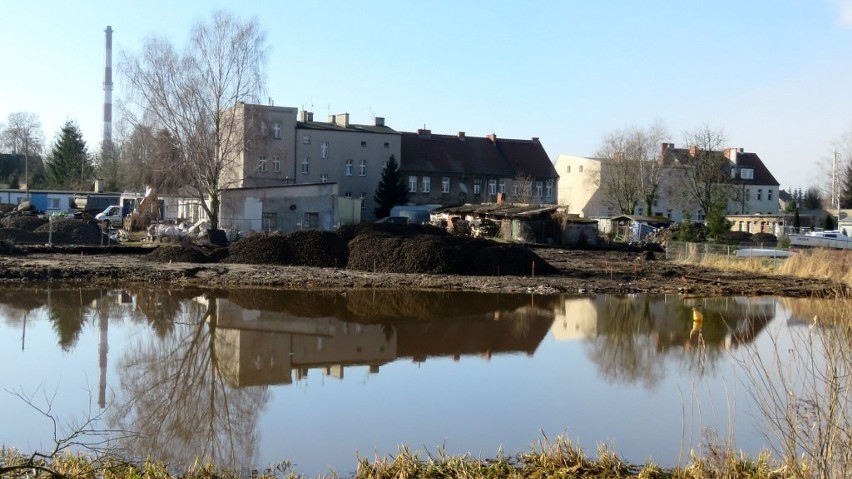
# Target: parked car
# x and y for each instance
(111, 215)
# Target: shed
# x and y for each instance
(629, 228)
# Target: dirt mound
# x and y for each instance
(179, 253)
(349, 232)
(24, 222)
(442, 254)
(19, 235)
(7, 207)
(73, 231)
(318, 248)
(261, 248)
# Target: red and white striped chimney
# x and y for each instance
(108, 89)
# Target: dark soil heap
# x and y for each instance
(185, 252)
(261, 248)
(73, 231)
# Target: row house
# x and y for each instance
(754, 190)
(457, 169)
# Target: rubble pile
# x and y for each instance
(73, 231)
(261, 248)
(318, 248)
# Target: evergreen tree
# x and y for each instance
(828, 224)
(392, 189)
(797, 220)
(846, 187)
(68, 165)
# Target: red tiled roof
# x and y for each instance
(432, 153)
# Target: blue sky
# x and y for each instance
(774, 75)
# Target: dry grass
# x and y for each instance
(832, 265)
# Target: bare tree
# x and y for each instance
(630, 171)
(23, 135)
(522, 189)
(194, 96)
(705, 171)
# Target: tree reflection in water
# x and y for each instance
(635, 335)
(173, 395)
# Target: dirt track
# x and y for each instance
(580, 272)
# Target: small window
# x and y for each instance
(769, 195)
(261, 164)
(427, 184)
(516, 188)
(746, 173)
(276, 163)
(348, 168)
(306, 165)
(306, 139)
(362, 168)
(412, 184)
(501, 186)
(492, 187)
(276, 131)
(324, 178)
(310, 220)
(263, 132)
(387, 145)
(445, 185)
(348, 194)
(477, 186)
(324, 150)
(54, 203)
(548, 189)
(363, 143)
(538, 188)
(269, 221)
(759, 194)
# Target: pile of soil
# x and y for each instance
(261, 248)
(318, 248)
(73, 231)
(180, 253)
(22, 222)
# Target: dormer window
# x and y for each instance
(746, 173)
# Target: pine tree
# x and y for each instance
(846, 187)
(68, 165)
(392, 189)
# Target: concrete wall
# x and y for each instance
(291, 207)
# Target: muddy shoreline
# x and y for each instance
(580, 272)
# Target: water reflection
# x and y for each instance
(198, 386)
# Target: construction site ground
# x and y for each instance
(575, 272)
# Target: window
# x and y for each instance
(276, 163)
(387, 145)
(324, 150)
(269, 221)
(759, 194)
(516, 188)
(306, 165)
(445, 185)
(263, 132)
(769, 195)
(363, 143)
(362, 168)
(348, 194)
(538, 188)
(324, 178)
(748, 194)
(548, 189)
(54, 203)
(412, 184)
(348, 168)
(363, 197)
(501, 186)
(261, 164)
(306, 139)
(427, 184)
(492, 187)
(477, 186)
(310, 220)
(276, 131)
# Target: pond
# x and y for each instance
(250, 378)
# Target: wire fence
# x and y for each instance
(700, 252)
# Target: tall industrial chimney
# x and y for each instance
(108, 89)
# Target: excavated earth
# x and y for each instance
(313, 260)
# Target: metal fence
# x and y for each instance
(698, 252)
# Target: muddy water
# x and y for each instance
(253, 377)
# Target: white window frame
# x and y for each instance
(548, 189)
(276, 164)
(747, 173)
(539, 189)
(477, 186)
(445, 184)
(306, 139)
(306, 165)
(324, 178)
(501, 186)
(276, 131)
(412, 184)
(362, 168)
(324, 150)
(427, 184)
(492, 187)
(261, 164)
(348, 170)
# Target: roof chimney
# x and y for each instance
(492, 137)
(332, 119)
(423, 133)
(380, 121)
(342, 120)
(304, 116)
(535, 139)
(461, 135)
